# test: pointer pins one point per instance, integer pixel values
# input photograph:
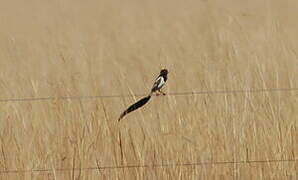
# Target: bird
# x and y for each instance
(160, 82)
(156, 88)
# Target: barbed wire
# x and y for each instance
(187, 93)
(153, 165)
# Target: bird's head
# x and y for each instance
(164, 72)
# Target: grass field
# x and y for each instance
(114, 47)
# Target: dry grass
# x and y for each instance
(69, 48)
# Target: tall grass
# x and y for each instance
(70, 48)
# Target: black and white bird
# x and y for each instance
(158, 84)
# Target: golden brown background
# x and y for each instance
(117, 47)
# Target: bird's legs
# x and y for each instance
(161, 92)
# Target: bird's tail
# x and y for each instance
(135, 106)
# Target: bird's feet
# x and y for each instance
(160, 93)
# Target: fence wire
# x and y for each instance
(186, 93)
(164, 165)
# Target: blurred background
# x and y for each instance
(112, 47)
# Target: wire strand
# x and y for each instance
(188, 93)
(154, 165)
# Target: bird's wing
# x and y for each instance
(159, 82)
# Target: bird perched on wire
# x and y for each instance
(160, 81)
(158, 84)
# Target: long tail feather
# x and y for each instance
(135, 106)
